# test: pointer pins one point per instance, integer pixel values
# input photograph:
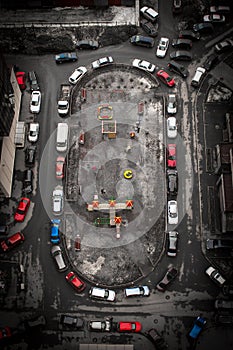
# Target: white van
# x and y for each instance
(62, 137)
(200, 71)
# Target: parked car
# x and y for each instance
(181, 55)
(223, 46)
(220, 9)
(87, 45)
(189, 34)
(149, 13)
(171, 104)
(21, 80)
(129, 326)
(58, 200)
(169, 276)
(214, 18)
(178, 68)
(71, 322)
(77, 75)
(149, 28)
(5, 332)
(137, 291)
(12, 241)
(162, 47)
(28, 181)
(102, 62)
(223, 304)
(60, 167)
(22, 209)
(144, 65)
(104, 294)
(140, 40)
(66, 57)
(172, 212)
(54, 234)
(58, 257)
(172, 239)
(33, 134)
(32, 77)
(219, 244)
(156, 338)
(227, 290)
(30, 155)
(171, 155)
(203, 28)
(177, 7)
(35, 322)
(75, 282)
(198, 326)
(211, 61)
(102, 326)
(165, 78)
(171, 127)
(172, 182)
(215, 276)
(198, 76)
(224, 319)
(185, 44)
(35, 102)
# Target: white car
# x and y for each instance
(172, 243)
(142, 64)
(77, 75)
(58, 200)
(149, 13)
(102, 326)
(198, 76)
(58, 257)
(137, 291)
(171, 128)
(172, 211)
(33, 132)
(35, 101)
(102, 62)
(102, 294)
(214, 18)
(215, 275)
(171, 104)
(162, 47)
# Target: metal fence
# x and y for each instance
(66, 25)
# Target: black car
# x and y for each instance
(224, 46)
(181, 55)
(28, 180)
(178, 68)
(211, 61)
(203, 28)
(30, 155)
(172, 182)
(87, 45)
(149, 28)
(169, 276)
(224, 319)
(70, 321)
(189, 34)
(36, 322)
(182, 43)
(227, 290)
(66, 57)
(32, 77)
(156, 338)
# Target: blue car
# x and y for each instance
(197, 327)
(66, 57)
(54, 236)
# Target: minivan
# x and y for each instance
(219, 244)
(198, 76)
(223, 304)
(33, 81)
(149, 28)
(28, 179)
(178, 68)
(62, 137)
(140, 40)
(203, 28)
(172, 182)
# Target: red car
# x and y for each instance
(21, 79)
(129, 326)
(75, 282)
(5, 332)
(171, 155)
(12, 241)
(22, 209)
(60, 167)
(165, 78)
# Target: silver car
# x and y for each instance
(137, 291)
(58, 257)
(172, 243)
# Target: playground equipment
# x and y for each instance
(128, 174)
(105, 111)
(109, 128)
(81, 139)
